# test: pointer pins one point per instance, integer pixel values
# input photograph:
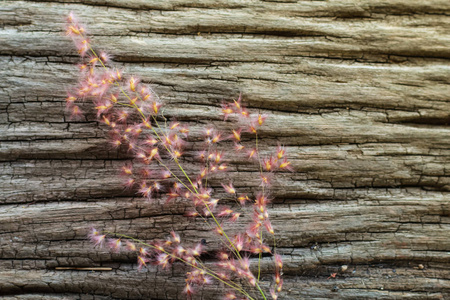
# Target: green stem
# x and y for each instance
(261, 173)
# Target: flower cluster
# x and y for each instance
(132, 112)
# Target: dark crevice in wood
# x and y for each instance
(424, 121)
(361, 56)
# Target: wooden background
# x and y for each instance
(357, 90)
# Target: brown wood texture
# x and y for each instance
(357, 90)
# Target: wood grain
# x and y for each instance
(358, 91)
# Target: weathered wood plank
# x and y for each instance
(358, 91)
(411, 89)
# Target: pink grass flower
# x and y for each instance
(130, 246)
(189, 290)
(223, 256)
(269, 163)
(234, 217)
(269, 227)
(225, 212)
(252, 154)
(132, 83)
(243, 199)
(197, 250)
(278, 261)
(70, 100)
(286, 165)
(273, 294)
(237, 103)
(162, 260)
(76, 113)
(230, 296)
(244, 114)
(127, 169)
(114, 244)
(129, 183)
(96, 238)
(146, 190)
(175, 237)
(226, 110)
(212, 204)
(103, 107)
(172, 195)
(236, 134)
(281, 151)
(239, 242)
(162, 163)
(142, 262)
(166, 174)
(261, 119)
(266, 179)
(238, 147)
(229, 188)
(104, 57)
(83, 46)
(144, 251)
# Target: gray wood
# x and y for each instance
(358, 91)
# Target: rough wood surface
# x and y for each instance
(357, 90)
